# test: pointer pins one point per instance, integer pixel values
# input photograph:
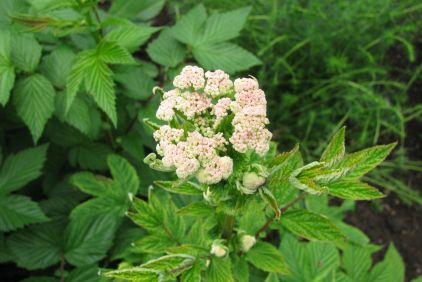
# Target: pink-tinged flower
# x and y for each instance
(218, 83)
(166, 109)
(251, 98)
(191, 76)
(193, 103)
(245, 85)
(216, 170)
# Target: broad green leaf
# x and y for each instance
(179, 187)
(57, 65)
(80, 115)
(147, 215)
(26, 52)
(38, 246)
(266, 257)
(17, 211)
(310, 225)
(152, 244)
(196, 209)
(166, 50)
(188, 28)
(21, 168)
(91, 184)
(391, 269)
(142, 10)
(219, 270)
(282, 167)
(77, 75)
(131, 36)
(226, 56)
(240, 269)
(170, 266)
(100, 85)
(252, 218)
(50, 5)
(272, 277)
(360, 163)
(90, 155)
(193, 274)
(137, 274)
(336, 148)
(124, 174)
(34, 101)
(86, 273)
(357, 262)
(87, 239)
(7, 79)
(102, 206)
(224, 26)
(114, 53)
(353, 190)
(136, 83)
(308, 261)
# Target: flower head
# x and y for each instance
(196, 142)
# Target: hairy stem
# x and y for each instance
(62, 265)
(228, 225)
(282, 210)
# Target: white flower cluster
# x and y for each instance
(205, 100)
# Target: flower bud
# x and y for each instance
(247, 242)
(218, 249)
(251, 182)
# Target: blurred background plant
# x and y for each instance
(77, 75)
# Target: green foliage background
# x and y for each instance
(76, 81)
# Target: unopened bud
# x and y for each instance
(247, 242)
(251, 182)
(218, 249)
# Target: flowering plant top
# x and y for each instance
(210, 117)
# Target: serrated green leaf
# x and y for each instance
(225, 56)
(166, 50)
(17, 211)
(336, 148)
(357, 262)
(38, 246)
(26, 52)
(57, 65)
(308, 261)
(179, 187)
(240, 270)
(136, 83)
(188, 27)
(360, 163)
(80, 115)
(5, 254)
(21, 168)
(34, 101)
(139, 10)
(86, 273)
(196, 209)
(170, 266)
(266, 257)
(272, 277)
(7, 79)
(310, 225)
(113, 53)
(391, 269)
(124, 174)
(91, 184)
(152, 244)
(219, 270)
(353, 190)
(131, 36)
(146, 215)
(90, 155)
(87, 239)
(100, 85)
(193, 274)
(224, 26)
(137, 274)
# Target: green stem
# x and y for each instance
(228, 225)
